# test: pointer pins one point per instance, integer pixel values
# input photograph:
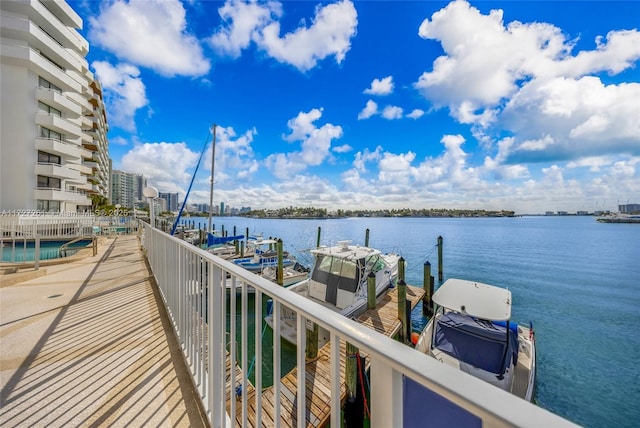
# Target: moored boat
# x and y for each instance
(471, 331)
(339, 281)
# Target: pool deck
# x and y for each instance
(89, 344)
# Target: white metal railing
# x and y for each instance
(52, 225)
(15, 243)
(193, 285)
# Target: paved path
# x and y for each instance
(89, 345)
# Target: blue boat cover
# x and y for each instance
(217, 240)
(480, 343)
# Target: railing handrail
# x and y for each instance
(492, 405)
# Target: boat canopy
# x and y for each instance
(217, 240)
(480, 343)
(336, 273)
(475, 299)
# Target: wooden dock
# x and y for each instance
(384, 319)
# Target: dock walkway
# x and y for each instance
(384, 319)
(89, 344)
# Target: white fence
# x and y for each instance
(65, 226)
(193, 284)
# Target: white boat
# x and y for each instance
(471, 331)
(264, 256)
(290, 274)
(339, 281)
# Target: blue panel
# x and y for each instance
(424, 408)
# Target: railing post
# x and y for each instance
(386, 395)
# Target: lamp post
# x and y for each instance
(151, 193)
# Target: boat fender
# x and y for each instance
(414, 338)
(269, 306)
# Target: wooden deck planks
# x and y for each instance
(384, 319)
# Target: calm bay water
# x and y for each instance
(577, 280)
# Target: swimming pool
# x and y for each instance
(48, 250)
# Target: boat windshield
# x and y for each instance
(336, 273)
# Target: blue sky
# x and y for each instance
(516, 105)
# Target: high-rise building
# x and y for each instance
(53, 144)
(125, 188)
(172, 200)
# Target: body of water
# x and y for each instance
(25, 252)
(577, 280)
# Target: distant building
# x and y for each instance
(125, 188)
(172, 200)
(221, 209)
(629, 208)
(203, 208)
(53, 138)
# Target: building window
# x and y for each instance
(44, 83)
(44, 157)
(48, 206)
(48, 133)
(45, 182)
(48, 109)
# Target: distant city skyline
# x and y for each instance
(473, 105)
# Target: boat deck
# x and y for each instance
(384, 319)
(521, 376)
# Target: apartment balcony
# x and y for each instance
(57, 18)
(58, 124)
(20, 28)
(21, 55)
(90, 143)
(66, 150)
(58, 171)
(49, 194)
(59, 101)
(83, 168)
(87, 121)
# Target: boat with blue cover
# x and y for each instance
(471, 331)
(264, 256)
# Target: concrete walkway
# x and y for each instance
(89, 344)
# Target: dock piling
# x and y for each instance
(366, 238)
(371, 291)
(401, 269)
(402, 309)
(440, 274)
(318, 239)
(311, 347)
(427, 285)
(351, 371)
(280, 270)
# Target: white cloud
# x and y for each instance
(345, 148)
(416, 113)
(562, 118)
(149, 33)
(369, 110)
(329, 35)
(315, 145)
(392, 112)
(125, 92)
(361, 158)
(523, 79)
(380, 86)
(243, 22)
(164, 164)
(235, 160)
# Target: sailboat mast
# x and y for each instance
(213, 158)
